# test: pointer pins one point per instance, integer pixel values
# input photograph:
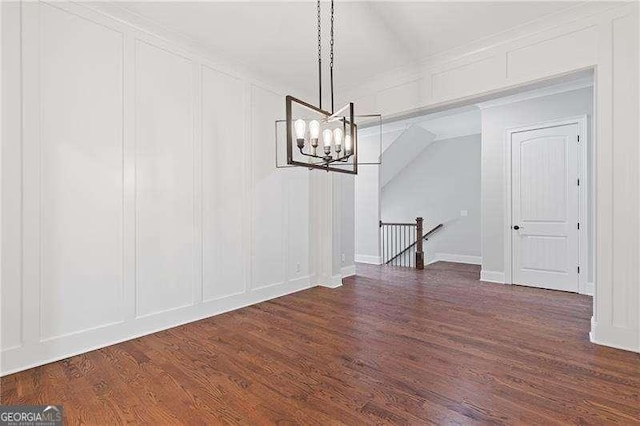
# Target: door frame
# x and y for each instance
(583, 192)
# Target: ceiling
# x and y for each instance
(278, 41)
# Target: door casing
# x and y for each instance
(583, 192)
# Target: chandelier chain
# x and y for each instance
(331, 55)
(319, 56)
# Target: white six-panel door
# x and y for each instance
(545, 207)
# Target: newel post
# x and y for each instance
(419, 252)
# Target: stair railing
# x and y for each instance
(401, 244)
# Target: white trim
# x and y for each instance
(583, 205)
(22, 358)
(372, 260)
(589, 289)
(583, 243)
(456, 258)
(616, 337)
(580, 83)
(335, 282)
(492, 277)
(348, 271)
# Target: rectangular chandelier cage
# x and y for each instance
(317, 139)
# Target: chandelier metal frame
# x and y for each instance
(340, 145)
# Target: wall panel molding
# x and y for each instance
(554, 55)
(223, 182)
(165, 225)
(167, 112)
(269, 220)
(11, 288)
(81, 169)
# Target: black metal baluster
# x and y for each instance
(393, 243)
(396, 245)
(384, 246)
(401, 244)
(404, 243)
(406, 238)
(393, 249)
(388, 242)
(406, 228)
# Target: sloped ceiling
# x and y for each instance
(278, 40)
(404, 149)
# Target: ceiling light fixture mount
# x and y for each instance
(307, 124)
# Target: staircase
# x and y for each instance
(402, 243)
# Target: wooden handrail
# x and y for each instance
(425, 237)
(396, 224)
(434, 229)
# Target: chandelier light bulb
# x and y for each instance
(327, 136)
(314, 129)
(337, 136)
(301, 127)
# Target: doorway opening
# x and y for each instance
(507, 178)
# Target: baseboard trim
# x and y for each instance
(348, 271)
(492, 276)
(34, 355)
(456, 258)
(590, 289)
(627, 339)
(334, 282)
(372, 260)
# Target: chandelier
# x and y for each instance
(317, 138)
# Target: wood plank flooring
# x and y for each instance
(393, 345)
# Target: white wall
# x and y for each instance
(596, 34)
(10, 320)
(404, 149)
(440, 182)
(144, 193)
(367, 184)
(495, 121)
(347, 220)
(367, 214)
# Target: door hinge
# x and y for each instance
(578, 138)
(578, 269)
(578, 181)
(578, 225)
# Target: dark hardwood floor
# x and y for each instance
(392, 345)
